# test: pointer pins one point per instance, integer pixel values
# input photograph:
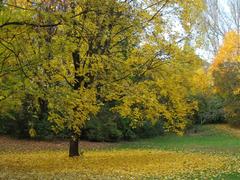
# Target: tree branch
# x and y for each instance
(29, 24)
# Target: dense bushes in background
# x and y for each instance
(210, 110)
(106, 126)
(24, 122)
(19, 126)
(112, 130)
(227, 81)
(12, 125)
(226, 76)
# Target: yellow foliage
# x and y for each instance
(229, 51)
(32, 132)
(123, 56)
(226, 72)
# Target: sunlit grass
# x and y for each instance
(208, 139)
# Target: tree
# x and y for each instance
(74, 56)
(226, 71)
(220, 18)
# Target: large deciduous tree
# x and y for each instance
(73, 56)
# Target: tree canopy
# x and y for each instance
(69, 58)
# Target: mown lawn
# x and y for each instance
(210, 152)
(208, 138)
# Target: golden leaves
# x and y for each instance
(32, 132)
(118, 164)
(229, 51)
(147, 65)
(72, 109)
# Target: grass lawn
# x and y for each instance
(212, 152)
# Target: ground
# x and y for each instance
(209, 152)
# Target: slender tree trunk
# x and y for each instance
(43, 114)
(73, 146)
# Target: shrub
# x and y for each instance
(211, 110)
(109, 126)
(14, 125)
(149, 130)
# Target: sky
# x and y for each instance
(205, 53)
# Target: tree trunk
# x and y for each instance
(43, 114)
(73, 148)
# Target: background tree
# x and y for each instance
(226, 71)
(220, 18)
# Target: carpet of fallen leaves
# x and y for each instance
(22, 159)
(115, 164)
(11, 144)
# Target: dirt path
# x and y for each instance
(11, 144)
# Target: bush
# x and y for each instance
(18, 122)
(94, 135)
(129, 135)
(232, 110)
(14, 125)
(98, 129)
(105, 126)
(148, 129)
(211, 110)
(110, 127)
(127, 132)
(102, 127)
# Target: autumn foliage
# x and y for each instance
(226, 73)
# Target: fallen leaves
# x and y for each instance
(116, 164)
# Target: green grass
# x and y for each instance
(231, 176)
(207, 139)
(212, 152)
